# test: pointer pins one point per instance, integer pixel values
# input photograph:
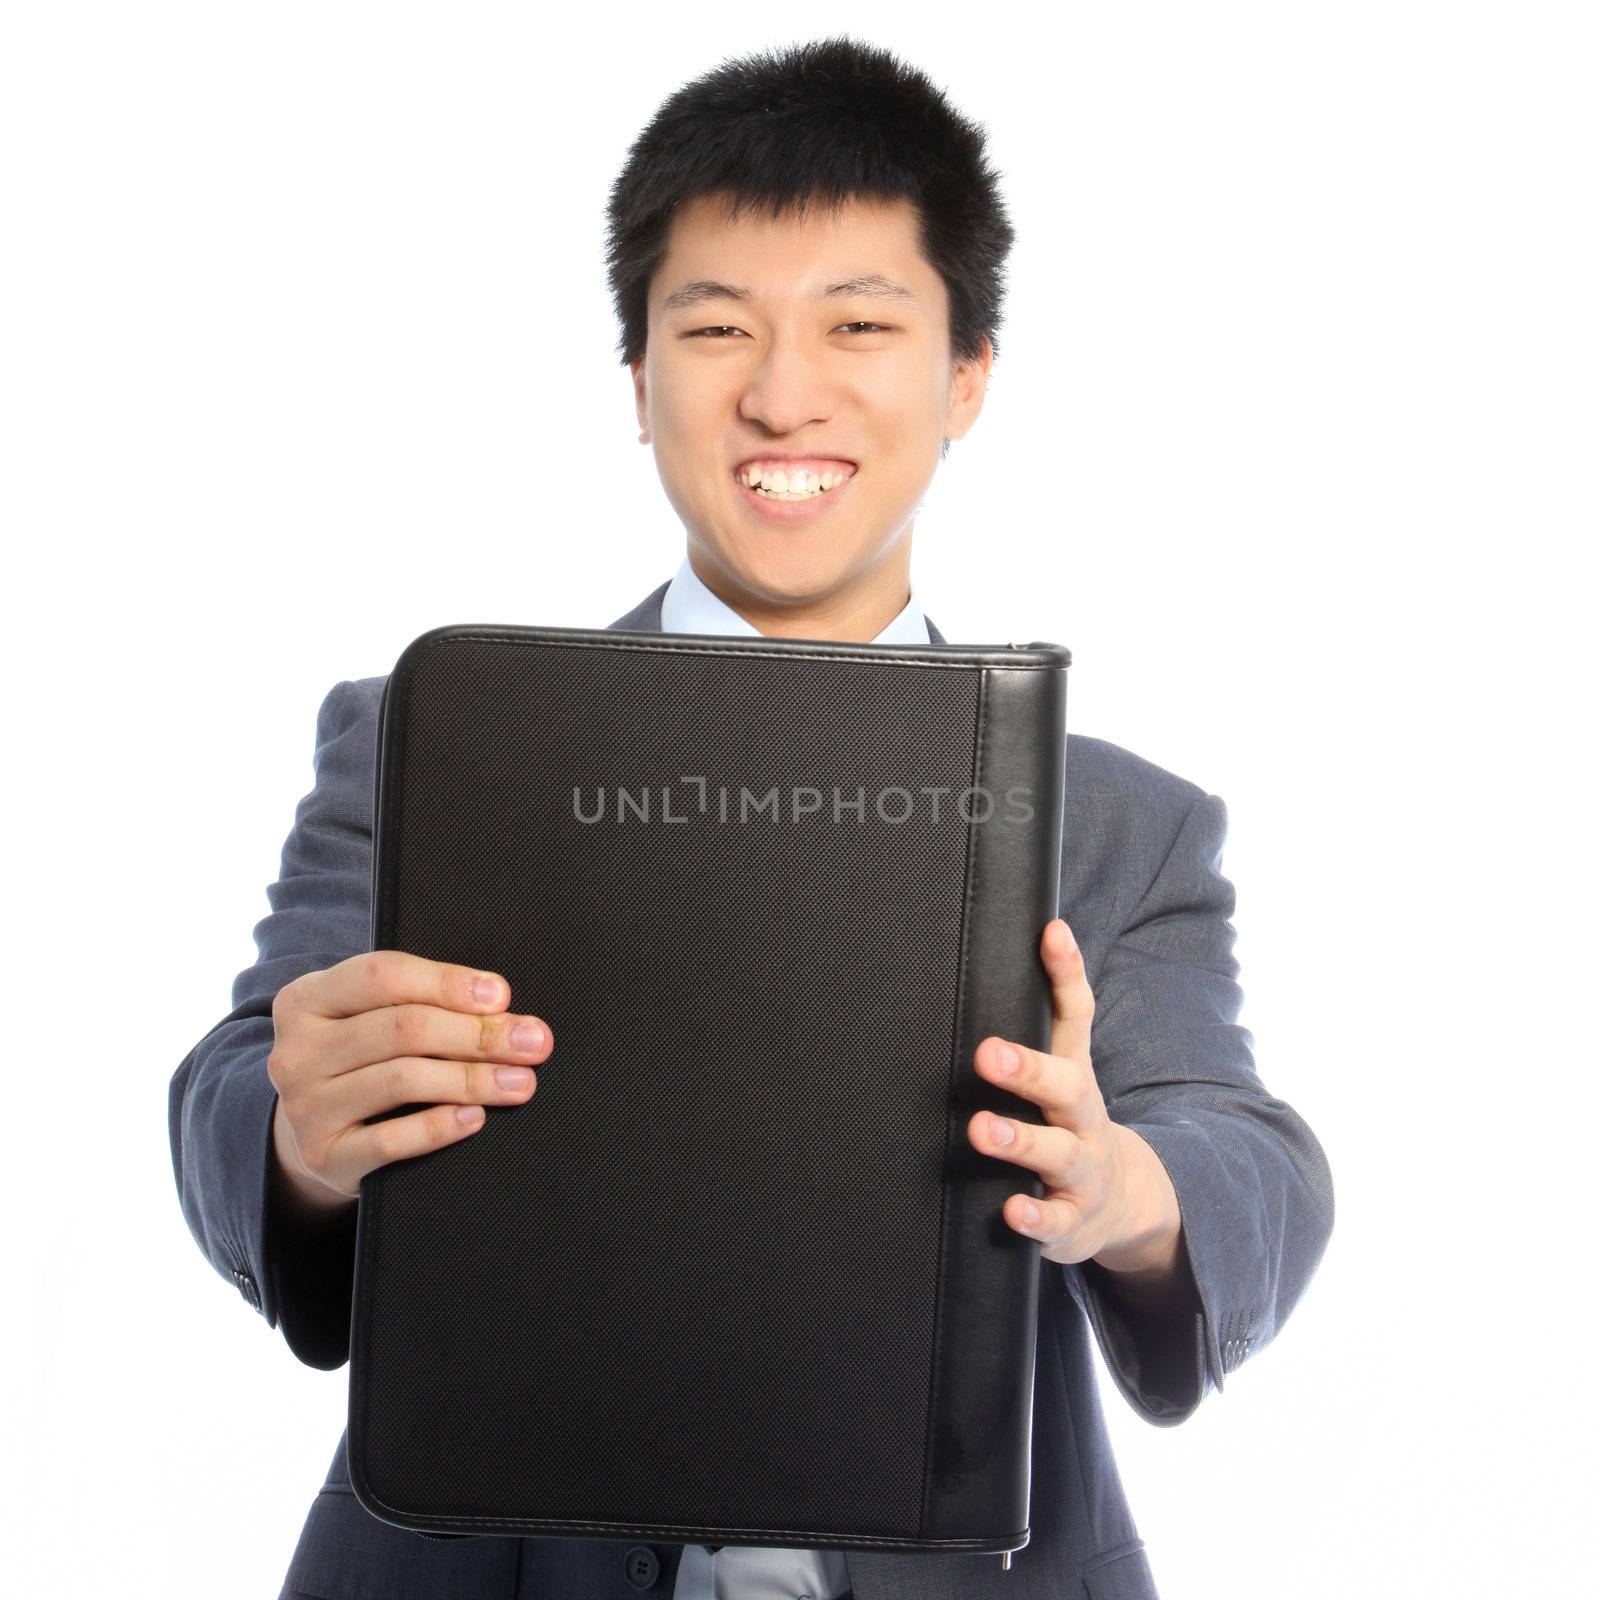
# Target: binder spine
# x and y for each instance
(976, 1474)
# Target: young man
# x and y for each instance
(806, 256)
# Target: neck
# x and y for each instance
(856, 615)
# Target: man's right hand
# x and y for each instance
(381, 1030)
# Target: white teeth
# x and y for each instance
(802, 484)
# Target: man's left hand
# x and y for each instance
(1107, 1194)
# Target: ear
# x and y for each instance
(969, 383)
(636, 367)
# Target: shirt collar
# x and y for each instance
(689, 606)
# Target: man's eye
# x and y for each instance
(718, 332)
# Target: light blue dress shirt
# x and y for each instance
(759, 1572)
(689, 606)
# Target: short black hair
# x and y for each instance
(831, 119)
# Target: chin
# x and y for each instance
(793, 575)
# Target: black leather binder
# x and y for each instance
(734, 1273)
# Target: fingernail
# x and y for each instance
(1010, 1058)
(527, 1036)
(513, 1077)
(470, 1115)
(1001, 1131)
(1030, 1215)
(1071, 942)
(486, 991)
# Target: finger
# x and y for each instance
(419, 1080)
(423, 1030)
(396, 977)
(1056, 1154)
(1062, 1088)
(362, 1148)
(1071, 1000)
(1056, 1221)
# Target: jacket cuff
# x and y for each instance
(298, 1275)
(1221, 1180)
(218, 1101)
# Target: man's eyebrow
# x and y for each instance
(871, 286)
(865, 286)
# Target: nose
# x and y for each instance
(788, 390)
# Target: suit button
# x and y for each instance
(642, 1566)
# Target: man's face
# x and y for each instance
(857, 383)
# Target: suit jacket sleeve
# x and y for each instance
(1252, 1181)
(221, 1102)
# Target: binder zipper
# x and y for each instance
(1005, 1555)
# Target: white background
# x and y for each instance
(307, 348)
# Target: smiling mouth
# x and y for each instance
(786, 487)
